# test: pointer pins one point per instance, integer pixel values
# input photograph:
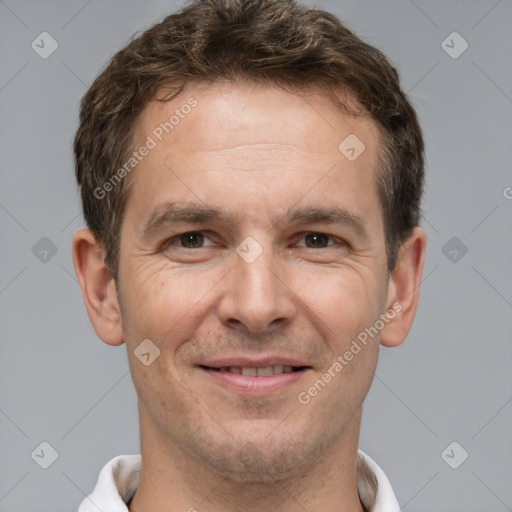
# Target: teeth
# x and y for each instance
(265, 371)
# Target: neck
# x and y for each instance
(173, 480)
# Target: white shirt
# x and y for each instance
(119, 479)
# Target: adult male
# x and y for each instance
(251, 176)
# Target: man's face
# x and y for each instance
(251, 241)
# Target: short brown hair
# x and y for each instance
(266, 41)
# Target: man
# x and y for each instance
(251, 176)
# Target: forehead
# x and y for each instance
(246, 136)
(226, 113)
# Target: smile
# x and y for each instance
(255, 379)
(264, 371)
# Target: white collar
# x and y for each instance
(119, 479)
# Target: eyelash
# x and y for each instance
(336, 241)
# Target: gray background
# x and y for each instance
(450, 381)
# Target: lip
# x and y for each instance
(254, 386)
(247, 362)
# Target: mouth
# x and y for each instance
(257, 371)
(255, 377)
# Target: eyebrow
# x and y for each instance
(169, 213)
(175, 212)
(332, 215)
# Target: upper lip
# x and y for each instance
(251, 362)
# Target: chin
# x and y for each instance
(264, 461)
(265, 470)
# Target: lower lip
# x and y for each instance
(255, 385)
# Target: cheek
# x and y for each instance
(163, 395)
(341, 303)
(163, 303)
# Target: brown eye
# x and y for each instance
(317, 240)
(191, 240)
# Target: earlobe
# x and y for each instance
(98, 287)
(404, 288)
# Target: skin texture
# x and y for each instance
(255, 152)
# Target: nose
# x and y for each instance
(256, 296)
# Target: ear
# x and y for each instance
(404, 288)
(98, 287)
